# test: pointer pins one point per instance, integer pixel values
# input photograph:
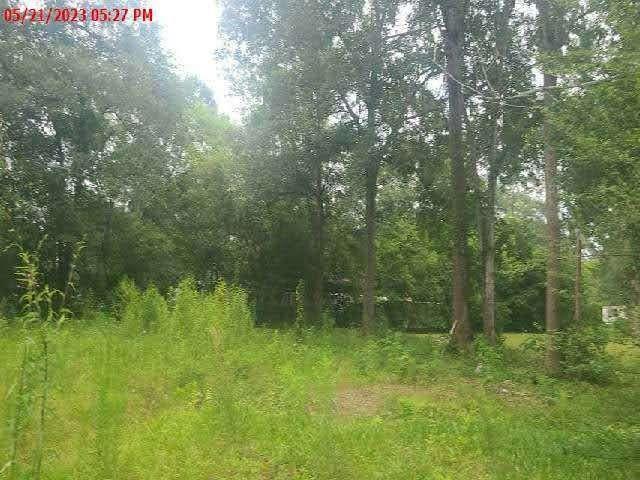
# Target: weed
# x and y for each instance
(37, 317)
(204, 394)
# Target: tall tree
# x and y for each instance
(284, 53)
(92, 150)
(551, 40)
(597, 128)
(372, 165)
(367, 69)
(498, 69)
(502, 42)
(454, 14)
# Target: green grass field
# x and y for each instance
(275, 405)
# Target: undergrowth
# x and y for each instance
(184, 386)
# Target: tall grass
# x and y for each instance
(186, 387)
(29, 395)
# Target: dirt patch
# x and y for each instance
(369, 399)
(513, 394)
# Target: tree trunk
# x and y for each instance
(316, 287)
(372, 166)
(553, 234)
(503, 40)
(368, 305)
(476, 184)
(489, 297)
(454, 13)
(577, 288)
(105, 249)
(62, 225)
(550, 44)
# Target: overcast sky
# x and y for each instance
(190, 33)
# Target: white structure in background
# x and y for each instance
(611, 313)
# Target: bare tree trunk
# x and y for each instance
(577, 289)
(553, 235)
(368, 306)
(550, 44)
(316, 287)
(503, 40)
(454, 13)
(489, 297)
(105, 247)
(372, 166)
(485, 214)
(476, 184)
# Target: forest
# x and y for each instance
(396, 259)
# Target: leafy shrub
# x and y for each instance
(4, 322)
(395, 355)
(30, 396)
(328, 321)
(300, 313)
(534, 343)
(231, 309)
(192, 314)
(127, 300)
(141, 312)
(390, 354)
(489, 358)
(627, 330)
(154, 309)
(582, 350)
(583, 354)
(4, 312)
(188, 312)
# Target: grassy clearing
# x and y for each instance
(258, 404)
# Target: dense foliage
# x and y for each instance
(197, 393)
(340, 175)
(465, 167)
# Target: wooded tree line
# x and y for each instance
(434, 153)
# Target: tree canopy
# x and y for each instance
(391, 159)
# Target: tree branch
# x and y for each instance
(353, 114)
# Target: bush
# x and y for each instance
(489, 358)
(192, 314)
(583, 354)
(627, 330)
(582, 350)
(231, 309)
(188, 312)
(392, 354)
(141, 312)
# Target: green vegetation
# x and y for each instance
(392, 263)
(203, 394)
(119, 153)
